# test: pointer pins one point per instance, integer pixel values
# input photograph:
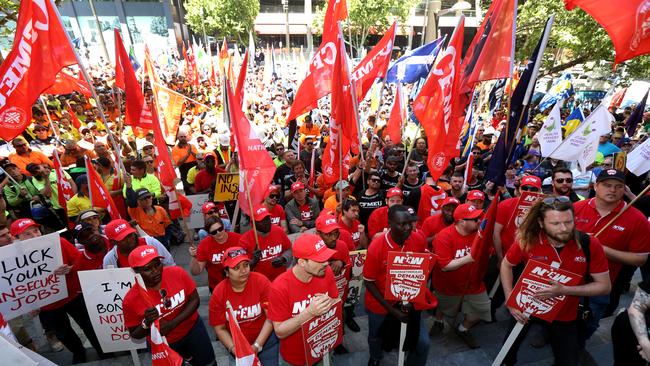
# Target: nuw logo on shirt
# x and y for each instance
(243, 313)
(557, 277)
(299, 306)
(272, 252)
(173, 302)
(216, 258)
(460, 253)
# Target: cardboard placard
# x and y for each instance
(358, 259)
(27, 280)
(104, 290)
(620, 160)
(227, 187)
(321, 334)
(536, 277)
(525, 202)
(196, 215)
(406, 276)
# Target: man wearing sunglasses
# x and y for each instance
(278, 216)
(269, 244)
(24, 155)
(562, 183)
(124, 239)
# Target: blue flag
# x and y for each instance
(576, 114)
(134, 61)
(562, 89)
(636, 116)
(415, 64)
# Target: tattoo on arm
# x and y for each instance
(637, 311)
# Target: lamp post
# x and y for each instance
(433, 12)
(285, 7)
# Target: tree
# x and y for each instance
(222, 18)
(368, 17)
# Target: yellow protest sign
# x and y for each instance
(227, 187)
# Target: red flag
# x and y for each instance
(318, 82)
(480, 249)
(437, 106)
(396, 118)
(63, 187)
(66, 84)
(161, 353)
(490, 56)
(73, 117)
(137, 115)
(40, 50)
(244, 355)
(239, 90)
(100, 195)
(256, 168)
(626, 21)
(375, 64)
(191, 73)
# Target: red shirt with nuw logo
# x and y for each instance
(249, 306)
(570, 257)
(448, 245)
(272, 245)
(178, 286)
(277, 215)
(353, 230)
(211, 252)
(629, 233)
(289, 297)
(305, 212)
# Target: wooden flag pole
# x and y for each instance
(645, 190)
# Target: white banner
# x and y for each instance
(550, 135)
(104, 290)
(196, 216)
(27, 280)
(598, 123)
(638, 160)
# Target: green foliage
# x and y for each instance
(222, 18)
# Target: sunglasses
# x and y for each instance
(562, 180)
(167, 302)
(23, 145)
(212, 212)
(376, 180)
(274, 196)
(310, 144)
(216, 231)
(473, 220)
(551, 201)
(236, 253)
(528, 189)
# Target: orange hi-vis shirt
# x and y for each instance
(153, 225)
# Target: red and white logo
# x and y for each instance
(642, 26)
(13, 117)
(146, 252)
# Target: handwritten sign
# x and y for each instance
(536, 277)
(104, 290)
(525, 202)
(358, 259)
(407, 276)
(196, 215)
(620, 160)
(27, 280)
(227, 187)
(321, 334)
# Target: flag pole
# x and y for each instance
(49, 118)
(90, 191)
(645, 190)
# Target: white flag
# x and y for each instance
(638, 160)
(550, 136)
(573, 147)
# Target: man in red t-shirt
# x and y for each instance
(436, 223)
(306, 290)
(349, 221)
(455, 286)
(278, 216)
(476, 198)
(548, 235)
(123, 238)
(271, 247)
(169, 296)
(378, 220)
(400, 237)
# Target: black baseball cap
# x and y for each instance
(611, 174)
(143, 193)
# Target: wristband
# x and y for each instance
(257, 345)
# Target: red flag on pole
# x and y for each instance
(626, 21)
(244, 355)
(63, 187)
(375, 64)
(483, 241)
(192, 70)
(40, 50)
(396, 118)
(73, 117)
(101, 197)
(239, 90)
(436, 107)
(66, 84)
(161, 353)
(137, 115)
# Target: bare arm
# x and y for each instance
(632, 259)
(318, 306)
(196, 267)
(457, 263)
(636, 312)
(496, 239)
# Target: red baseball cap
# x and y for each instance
(450, 201)
(394, 192)
(531, 180)
(235, 255)
(260, 212)
(207, 207)
(296, 186)
(475, 195)
(312, 247)
(118, 230)
(19, 226)
(142, 255)
(326, 224)
(466, 211)
(272, 188)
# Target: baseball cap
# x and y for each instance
(312, 247)
(475, 195)
(146, 144)
(88, 214)
(224, 140)
(611, 174)
(296, 186)
(531, 180)
(451, 201)
(408, 211)
(19, 226)
(207, 207)
(260, 213)
(326, 224)
(79, 228)
(234, 255)
(466, 211)
(143, 193)
(142, 255)
(118, 230)
(394, 192)
(342, 184)
(272, 189)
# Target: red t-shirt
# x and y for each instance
(375, 267)
(571, 259)
(430, 202)
(203, 180)
(378, 221)
(448, 245)
(353, 230)
(433, 225)
(272, 246)
(70, 254)
(88, 261)
(305, 212)
(342, 279)
(629, 233)
(277, 215)
(210, 252)
(179, 286)
(505, 210)
(289, 297)
(249, 305)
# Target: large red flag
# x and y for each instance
(239, 90)
(66, 84)
(40, 50)
(256, 168)
(483, 241)
(375, 64)
(244, 355)
(396, 118)
(626, 21)
(490, 56)
(136, 113)
(318, 82)
(100, 195)
(437, 106)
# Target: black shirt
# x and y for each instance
(367, 204)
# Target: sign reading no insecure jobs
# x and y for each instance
(227, 187)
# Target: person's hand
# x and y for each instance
(336, 266)
(3, 205)
(128, 180)
(63, 270)
(257, 256)
(279, 262)
(361, 228)
(303, 229)
(400, 315)
(23, 192)
(319, 305)
(150, 315)
(166, 326)
(362, 164)
(192, 250)
(518, 315)
(400, 181)
(295, 221)
(556, 289)
(644, 349)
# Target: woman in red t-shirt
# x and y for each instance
(210, 251)
(247, 292)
